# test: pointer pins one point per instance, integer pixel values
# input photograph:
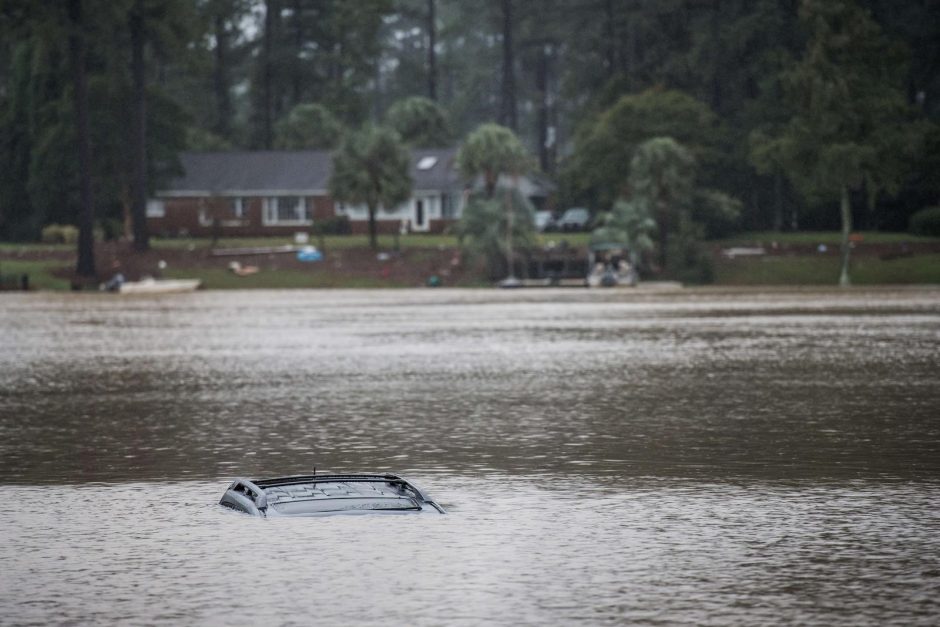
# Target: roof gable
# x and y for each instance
(283, 171)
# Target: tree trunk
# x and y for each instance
(223, 100)
(846, 207)
(373, 239)
(541, 86)
(489, 183)
(629, 50)
(432, 53)
(663, 224)
(267, 75)
(778, 201)
(871, 203)
(297, 84)
(718, 78)
(507, 116)
(139, 131)
(86, 219)
(127, 222)
(510, 257)
(610, 38)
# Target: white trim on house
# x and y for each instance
(273, 214)
(235, 216)
(431, 208)
(244, 193)
(155, 208)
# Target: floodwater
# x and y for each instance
(698, 457)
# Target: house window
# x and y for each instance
(156, 209)
(236, 208)
(448, 208)
(286, 210)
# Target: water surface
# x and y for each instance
(706, 457)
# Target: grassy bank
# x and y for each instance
(824, 270)
(791, 259)
(222, 279)
(42, 274)
(814, 238)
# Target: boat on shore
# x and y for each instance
(158, 286)
(612, 265)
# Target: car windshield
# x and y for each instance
(345, 504)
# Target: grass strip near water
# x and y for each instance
(40, 273)
(824, 270)
(221, 279)
(42, 261)
(342, 242)
(830, 238)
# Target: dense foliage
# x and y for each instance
(371, 168)
(489, 224)
(784, 104)
(492, 151)
(926, 222)
(421, 122)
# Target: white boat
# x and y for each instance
(611, 266)
(159, 286)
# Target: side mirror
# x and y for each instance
(261, 501)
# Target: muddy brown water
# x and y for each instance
(699, 457)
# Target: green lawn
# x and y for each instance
(40, 273)
(806, 269)
(824, 270)
(574, 239)
(386, 242)
(818, 237)
(13, 248)
(222, 279)
(433, 240)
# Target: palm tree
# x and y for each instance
(372, 168)
(493, 150)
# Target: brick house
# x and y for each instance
(252, 193)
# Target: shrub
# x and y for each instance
(687, 260)
(109, 230)
(59, 234)
(925, 222)
(338, 225)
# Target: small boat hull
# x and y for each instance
(159, 286)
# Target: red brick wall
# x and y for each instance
(393, 226)
(182, 218)
(360, 227)
(321, 207)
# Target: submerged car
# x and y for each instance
(326, 495)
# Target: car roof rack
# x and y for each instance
(258, 485)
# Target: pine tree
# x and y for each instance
(850, 122)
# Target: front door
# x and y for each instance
(420, 219)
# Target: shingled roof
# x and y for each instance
(289, 172)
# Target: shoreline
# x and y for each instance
(417, 261)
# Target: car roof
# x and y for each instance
(320, 493)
